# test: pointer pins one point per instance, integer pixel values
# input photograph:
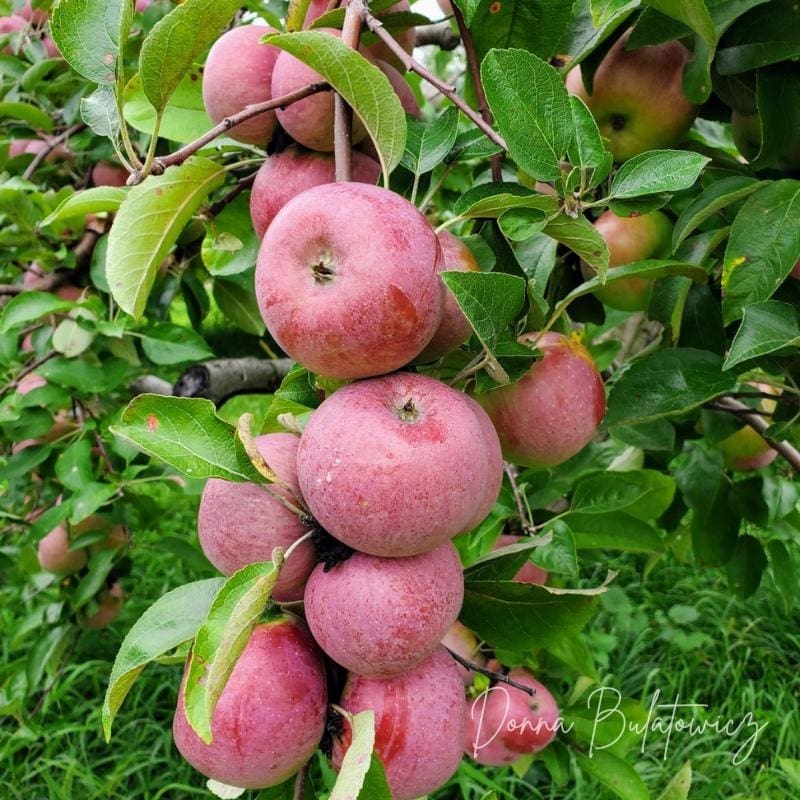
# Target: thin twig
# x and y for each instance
(343, 113)
(376, 27)
(527, 524)
(490, 673)
(11, 288)
(759, 425)
(300, 783)
(480, 93)
(51, 145)
(179, 156)
(30, 368)
(216, 208)
(440, 34)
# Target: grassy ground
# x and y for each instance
(679, 633)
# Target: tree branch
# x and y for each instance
(489, 673)
(219, 379)
(51, 145)
(343, 113)
(244, 183)
(440, 35)
(179, 156)
(759, 425)
(480, 93)
(376, 27)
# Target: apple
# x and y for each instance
(309, 121)
(505, 723)
(238, 73)
(401, 87)
(109, 605)
(529, 572)
(494, 464)
(419, 724)
(287, 174)
(554, 410)
(746, 450)
(241, 523)
(104, 173)
(396, 466)
(446, 6)
(454, 329)
(55, 556)
(36, 15)
(637, 97)
(381, 616)
(630, 239)
(270, 716)
(346, 280)
(462, 641)
(8, 25)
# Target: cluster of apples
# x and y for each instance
(389, 468)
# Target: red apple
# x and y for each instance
(104, 173)
(271, 714)
(342, 303)
(110, 604)
(8, 25)
(54, 553)
(396, 465)
(554, 410)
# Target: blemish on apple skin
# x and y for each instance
(152, 422)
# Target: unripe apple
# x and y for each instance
(554, 410)
(238, 73)
(350, 300)
(104, 173)
(110, 604)
(287, 174)
(462, 641)
(504, 722)
(271, 714)
(396, 466)
(242, 523)
(356, 617)
(419, 724)
(631, 239)
(746, 450)
(454, 329)
(55, 556)
(637, 97)
(309, 121)
(529, 572)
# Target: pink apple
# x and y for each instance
(396, 465)
(271, 714)
(355, 617)
(54, 553)
(462, 641)
(554, 410)
(238, 73)
(529, 572)
(287, 174)
(109, 605)
(419, 724)
(11, 25)
(242, 523)
(342, 303)
(104, 173)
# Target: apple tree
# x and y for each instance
(440, 332)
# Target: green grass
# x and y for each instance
(679, 632)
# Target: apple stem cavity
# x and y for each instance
(329, 550)
(490, 673)
(408, 412)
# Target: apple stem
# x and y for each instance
(376, 27)
(179, 156)
(343, 113)
(524, 515)
(300, 782)
(475, 72)
(490, 673)
(295, 544)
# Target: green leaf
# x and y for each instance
(778, 101)
(428, 143)
(27, 112)
(70, 338)
(239, 305)
(667, 383)
(719, 195)
(88, 201)
(362, 85)
(223, 636)
(89, 498)
(490, 301)
(644, 494)
(715, 528)
(679, 785)
(657, 171)
(783, 572)
(615, 773)
(766, 327)
(187, 434)
(520, 224)
(177, 41)
(87, 34)
(763, 246)
(613, 531)
(580, 236)
(167, 202)
(184, 117)
(74, 465)
(95, 579)
(492, 200)
(233, 224)
(169, 622)
(746, 566)
(587, 149)
(166, 343)
(29, 306)
(692, 13)
(502, 564)
(358, 762)
(531, 107)
(520, 617)
(99, 111)
(559, 555)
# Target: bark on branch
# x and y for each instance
(222, 378)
